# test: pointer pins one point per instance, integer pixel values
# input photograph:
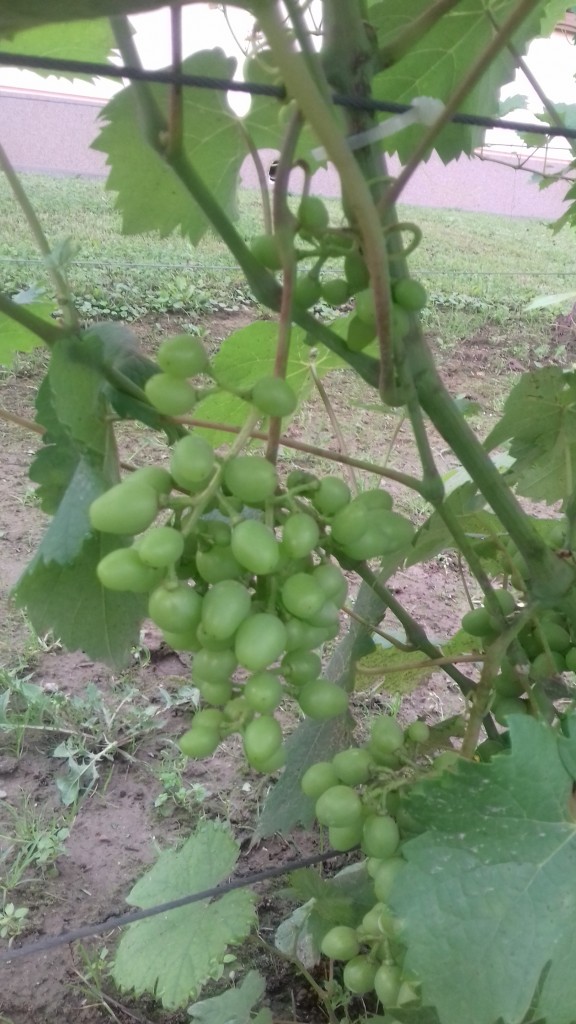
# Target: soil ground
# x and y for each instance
(144, 797)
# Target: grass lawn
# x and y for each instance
(479, 269)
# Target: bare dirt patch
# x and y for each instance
(114, 831)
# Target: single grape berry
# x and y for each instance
(318, 778)
(123, 569)
(124, 509)
(175, 608)
(300, 666)
(306, 292)
(182, 356)
(302, 596)
(387, 984)
(386, 735)
(353, 766)
(200, 741)
(345, 837)
(263, 692)
(250, 478)
(356, 272)
(313, 217)
(153, 476)
(172, 396)
(418, 732)
(477, 622)
(321, 699)
(359, 975)
(300, 535)
(262, 738)
(213, 666)
(410, 294)
(335, 291)
(332, 581)
(260, 641)
(192, 462)
(265, 249)
(339, 806)
(340, 943)
(255, 547)
(273, 396)
(331, 496)
(224, 608)
(380, 836)
(161, 547)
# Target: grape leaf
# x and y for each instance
(172, 955)
(262, 122)
(438, 62)
(28, 13)
(468, 507)
(243, 358)
(235, 1006)
(212, 142)
(499, 842)
(70, 601)
(16, 338)
(73, 40)
(540, 422)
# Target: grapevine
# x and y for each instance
(256, 573)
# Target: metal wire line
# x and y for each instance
(87, 931)
(23, 60)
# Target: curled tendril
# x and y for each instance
(416, 233)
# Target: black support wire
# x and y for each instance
(87, 931)
(97, 70)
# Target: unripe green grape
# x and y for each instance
(172, 396)
(124, 509)
(380, 836)
(182, 641)
(255, 547)
(547, 665)
(345, 838)
(353, 766)
(359, 334)
(409, 294)
(200, 741)
(331, 496)
(213, 666)
(218, 694)
(300, 535)
(300, 666)
(385, 876)
(215, 532)
(489, 749)
(175, 608)
(386, 735)
(447, 760)
(359, 975)
(335, 291)
(340, 943)
(350, 523)
(260, 641)
(505, 600)
(302, 596)
(182, 356)
(273, 396)
(356, 272)
(503, 707)
(123, 569)
(192, 462)
(273, 763)
(570, 658)
(321, 699)
(218, 564)
(339, 806)
(153, 476)
(212, 643)
(477, 622)
(263, 692)
(238, 712)
(312, 216)
(301, 635)
(209, 718)
(161, 547)
(366, 307)
(332, 581)
(224, 608)
(318, 778)
(265, 249)
(557, 638)
(306, 292)
(303, 482)
(387, 984)
(250, 478)
(262, 738)
(508, 683)
(418, 732)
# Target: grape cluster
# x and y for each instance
(332, 246)
(354, 803)
(545, 648)
(241, 572)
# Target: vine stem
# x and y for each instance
(322, 453)
(176, 105)
(284, 225)
(472, 77)
(303, 87)
(375, 629)
(20, 421)
(414, 631)
(59, 282)
(325, 399)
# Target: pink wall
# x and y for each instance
(52, 135)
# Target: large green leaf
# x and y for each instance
(440, 60)
(69, 601)
(15, 17)
(540, 422)
(74, 40)
(172, 955)
(236, 1004)
(212, 142)
(16, 338)
(487, 901)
